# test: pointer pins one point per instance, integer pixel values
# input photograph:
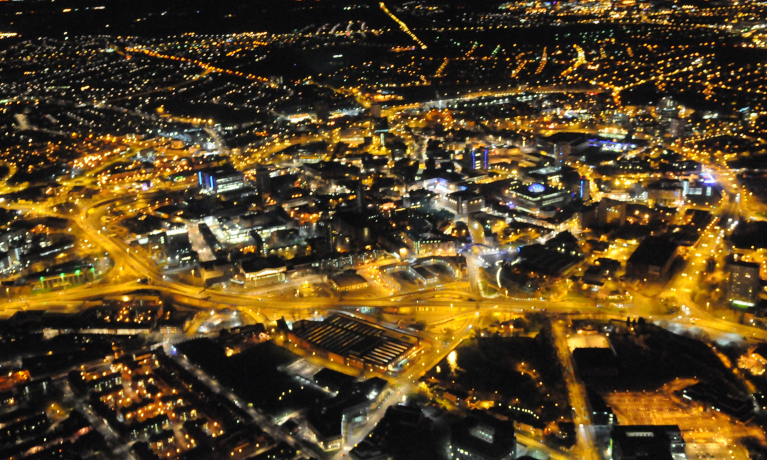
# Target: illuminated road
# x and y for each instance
(490, 92)
(450, 303)
(274, 146)
(402, 26)
(577, 392)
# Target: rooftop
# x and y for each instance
(653, 250)
(347, 336)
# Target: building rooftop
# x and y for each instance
(464, 195)
(653, 250)
(344, 280)
(333, 380)
(347, 336)
(651, 442)
(484, 434)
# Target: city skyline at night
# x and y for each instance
(383, 230)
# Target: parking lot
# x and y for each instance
(709, 434)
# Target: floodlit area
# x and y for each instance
(587, 341)
(705, 430)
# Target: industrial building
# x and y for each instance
(347, 282)
(356, 343)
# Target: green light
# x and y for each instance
(42, 278)
(93, 269)
(77, 272)
(61, 275)
(741, 303)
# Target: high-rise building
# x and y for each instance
(668, 108)
(220, 180)
(263, 181)
(475, 159)
(611, 211)
(676, 128)
(584, 191)
(742, 282)
(375, 110)
(561, 152)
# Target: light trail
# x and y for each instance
(202, 64)
(544, 58)
(441, 68)
(579, 61)
(518, 69)
(403, 26)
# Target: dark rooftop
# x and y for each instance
(482, 433)
(653, 250)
